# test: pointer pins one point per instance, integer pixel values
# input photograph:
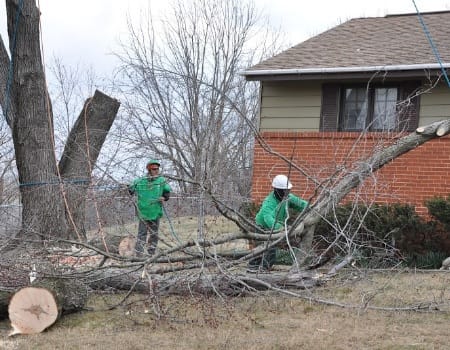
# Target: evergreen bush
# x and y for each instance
(383, 235)
(439, 209)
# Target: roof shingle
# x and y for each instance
(372, 41)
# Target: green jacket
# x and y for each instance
(273, 212)
(149, 191)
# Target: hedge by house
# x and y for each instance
(382, 235)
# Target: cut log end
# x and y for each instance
(420, 129)
(441, 131)
(31, 310)
(127, 246)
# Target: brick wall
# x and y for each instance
(412, 178)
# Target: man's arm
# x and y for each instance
(297, 203)
(166, 195)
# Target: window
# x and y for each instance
(391, 107)
(371, 109)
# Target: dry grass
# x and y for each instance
(266, 321)
(182, 229)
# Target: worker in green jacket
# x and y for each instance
(151, 190)
(272, 217)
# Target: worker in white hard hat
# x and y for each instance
(272, 216)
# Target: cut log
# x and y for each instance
(34, 308)
(127, 246)
(114, 244)
(31, 310)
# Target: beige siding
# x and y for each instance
(293, 106)
(435, 105)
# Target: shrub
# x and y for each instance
(429, 260)
(439, 209)
(380, 235)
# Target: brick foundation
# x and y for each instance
(412, 178)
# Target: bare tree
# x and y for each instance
(185, 99)
(47, 203)
(184, 106)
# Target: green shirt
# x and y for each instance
(273, 212)
(149, 191)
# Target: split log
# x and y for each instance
(34, 308)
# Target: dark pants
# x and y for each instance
(147, 228)
(264, 261)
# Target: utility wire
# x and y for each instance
(433, 46)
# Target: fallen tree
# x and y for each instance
(195, 266)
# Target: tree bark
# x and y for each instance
(43, 212)
(28, 110)
(80, 155)
(5, 296)
(181, 284)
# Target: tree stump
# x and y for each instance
(31, 310)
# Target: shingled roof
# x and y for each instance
(361, 43)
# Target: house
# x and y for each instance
(333, 99)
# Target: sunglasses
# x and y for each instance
(152, 168)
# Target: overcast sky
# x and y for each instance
(85, 32)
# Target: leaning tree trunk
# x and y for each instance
(80, 154)
(28, 111)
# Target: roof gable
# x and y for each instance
(393, 40)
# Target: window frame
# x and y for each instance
(408, 113)
(370, 106)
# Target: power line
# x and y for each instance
(433, 46)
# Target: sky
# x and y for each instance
(86, 32)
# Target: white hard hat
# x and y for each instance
(281, 182)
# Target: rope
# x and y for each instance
(76, 181)
(10, 69)
(172, 231)
(430, 40)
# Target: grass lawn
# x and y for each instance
(266, 321)
(357, 309)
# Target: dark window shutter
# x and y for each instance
(408, 107)
(330, 107)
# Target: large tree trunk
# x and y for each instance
(32, 126)
(80, 154)
(27, 107)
